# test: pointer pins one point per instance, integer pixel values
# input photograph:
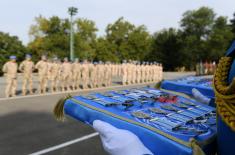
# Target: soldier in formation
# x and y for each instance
(76, 74)
(54, 72)
(205, 68)
(134, 72)
(57, 76)
(42, 67)
(10, 71)
(27, 67)
(66, 75)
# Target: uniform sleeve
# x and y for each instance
(75, 67)
(91, 68)
(37, 65)
(33, 66)
(122, 70)
(49, 67)
(82, 68)
(4, 68)
(60, 69)
(21, 67)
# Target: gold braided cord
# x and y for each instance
(196, 147)
(225, 92)
(59, 108)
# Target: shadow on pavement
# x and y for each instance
(26, 132)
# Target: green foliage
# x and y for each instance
(168, 48)
(198, 22)
(202, 36)
(233, 25)
(196, 27)
(105, 51)
(219, 39)
(10, 45)
(131, 42)
(49, 36)
(85, 39)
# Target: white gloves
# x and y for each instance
(118, 141)
(199, 97)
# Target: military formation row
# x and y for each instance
(205, 68)
(67, 76)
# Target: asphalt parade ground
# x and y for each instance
(27, 125)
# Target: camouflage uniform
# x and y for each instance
(85, 74)
(66, 73)
(10, 71)
(27, 67)
(42, 67)
(76, 71)
(133, 74)
(92, 75)
(107, 74)
(138, 73)
(124, 73)
(142, 70)
(100, 74)
(54, 70)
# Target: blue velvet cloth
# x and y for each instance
(226, 137)
(90, 110)
(186, 84)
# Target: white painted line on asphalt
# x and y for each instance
(56, 147)
(76, 91)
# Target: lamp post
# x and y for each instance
(72, 11)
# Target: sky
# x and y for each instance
(16, 16)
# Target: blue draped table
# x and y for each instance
(159, 140)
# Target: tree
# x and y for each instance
(198, 22)
(10, 45)
(105, 51)
(141, 42)
(202, 37)
(219, 39)
(233, 25)
(131, 42)
(85, 38)
(196, 27)
(49, 36)
(167, 49)
(117, 34)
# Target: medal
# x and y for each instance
(158, 111)
(168, 107)
(139, 114)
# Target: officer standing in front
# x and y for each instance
(10, 71)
